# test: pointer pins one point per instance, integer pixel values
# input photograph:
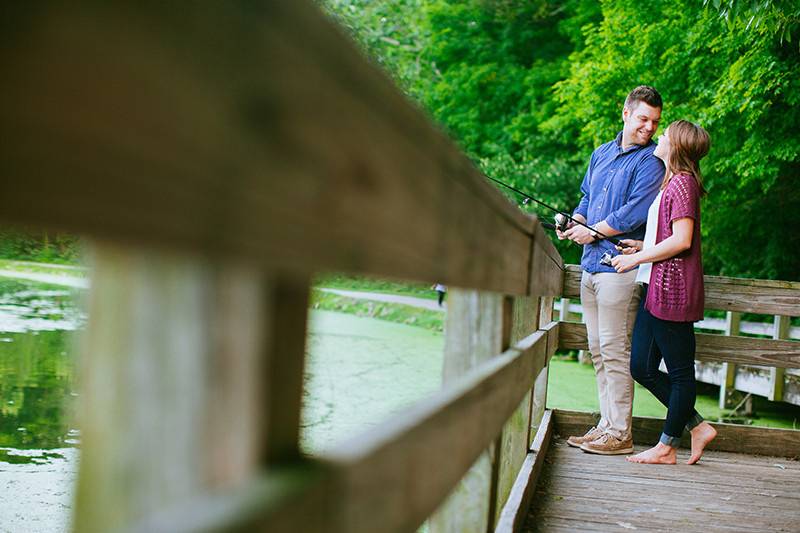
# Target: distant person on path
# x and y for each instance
(442, 290)
(672, 298)
(620, 183)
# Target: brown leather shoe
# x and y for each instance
(605, 444)
(590, 435)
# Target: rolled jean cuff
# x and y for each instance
(673, 442)
(694, 421)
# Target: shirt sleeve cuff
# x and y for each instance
(614, 221)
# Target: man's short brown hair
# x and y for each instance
(646, 94)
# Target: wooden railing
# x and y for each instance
(775, 384)
(727, 294)
(218, 155)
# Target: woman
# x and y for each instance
(672, 295)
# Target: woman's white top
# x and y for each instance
(643, 276)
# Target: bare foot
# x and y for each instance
(702, 434)
(660, 454)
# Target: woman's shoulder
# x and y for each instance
(684, 179)
(682, 184)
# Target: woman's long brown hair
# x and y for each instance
(689, 143)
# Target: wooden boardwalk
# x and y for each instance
(578, 491)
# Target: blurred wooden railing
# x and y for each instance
(218, 155)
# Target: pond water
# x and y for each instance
(38, 455)
(359, 372)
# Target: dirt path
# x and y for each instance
(68, 280)
(392, 298)
(53, 279)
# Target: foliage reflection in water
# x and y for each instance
(38, 440)
(36, 370)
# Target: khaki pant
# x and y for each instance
(610, 302)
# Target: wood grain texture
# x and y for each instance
(733, 324)
(158, 389)
(515, 510)
(241, 131)
(762, 296)
(396, 475)
(514, 441)
(285, 361)
(546, 275)
(777, 378)
(739, 350)
(752, 379)
(572, 282)
(553, 330)
(731, 437)
(300, 496)
(768, 297)
(725, 492)
(541, 385)
(478, 327)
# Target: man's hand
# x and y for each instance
(623, 263)
(563, 234)
(580, 234)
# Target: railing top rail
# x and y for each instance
(233, 132)
(761, 296)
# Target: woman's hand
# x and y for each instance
(623, 263)
(630, 246)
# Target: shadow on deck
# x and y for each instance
(726, 491)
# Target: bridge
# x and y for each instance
(217, 156)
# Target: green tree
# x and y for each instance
(739, 82)
(529, 89)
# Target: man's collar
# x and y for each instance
(631, 148)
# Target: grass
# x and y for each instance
(362, 283)
(572, 386)
(391, 312)
(41, 268)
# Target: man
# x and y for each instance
(621, 182)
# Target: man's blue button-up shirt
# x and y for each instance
(618, 187)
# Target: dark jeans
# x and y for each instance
(654, 339)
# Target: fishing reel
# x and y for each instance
(605, 259)
(562, 222)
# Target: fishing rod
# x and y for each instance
(561, 217)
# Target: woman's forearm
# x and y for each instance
(669, 247)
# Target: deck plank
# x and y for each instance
(584, 492)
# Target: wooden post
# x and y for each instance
(584, 357)
(186, 387)
(776, 375)
(540, 387)
(474, 334)
(726, 386)
(563, 313)
(514, 442)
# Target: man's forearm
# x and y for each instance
(601, 226)
(605, 229)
